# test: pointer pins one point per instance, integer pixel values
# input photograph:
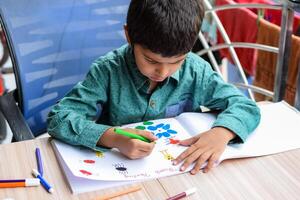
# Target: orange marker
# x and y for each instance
(28, 182)
(120, 193)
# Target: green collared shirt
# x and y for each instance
(114, 93)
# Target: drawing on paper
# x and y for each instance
(173, 141)
(121, 168)
(170, 141)
(166, 155)
(87, 173)
(99, 154)
(89, 161)
(159, 130)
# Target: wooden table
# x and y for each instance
(268, 177)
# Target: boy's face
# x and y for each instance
(154, 66)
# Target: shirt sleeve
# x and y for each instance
(238, 113)
(72, 120)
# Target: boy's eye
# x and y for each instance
(152, 62)
(176, 62)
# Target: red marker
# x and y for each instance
(183, 194)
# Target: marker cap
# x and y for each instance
(190, 191)
(32, 182)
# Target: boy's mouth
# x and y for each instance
(157, 79)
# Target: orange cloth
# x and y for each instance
(241, 26)
(271, 15)
(268, 34)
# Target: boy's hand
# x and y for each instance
(207, 146)
(131, 148)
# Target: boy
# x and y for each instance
(154, 76)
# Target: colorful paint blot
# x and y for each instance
(89, 161)
(121, 168)
(162, 130)
(140, 127)
(166, 155)
(159, 130)
(99, 154)
(148, 123)
(173, 141)
(85, 172)
(168, 141)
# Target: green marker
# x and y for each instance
(131, 135)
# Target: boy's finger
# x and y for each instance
(190, 159)
(144, 146)
(211, 162)
(147, 135)
(144, 153)
(189, 141)
(200, 163)
(183, 155)
(209, 165)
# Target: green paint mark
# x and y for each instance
(147, 123)
(140, 127)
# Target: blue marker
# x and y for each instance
(43, 181)
(39, 161)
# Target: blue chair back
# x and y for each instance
(52, 45)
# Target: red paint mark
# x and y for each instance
(85, 172)
(89, 161)
(172, 141)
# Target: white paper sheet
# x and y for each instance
(87, 170)
(112, 165)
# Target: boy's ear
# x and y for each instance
(126, 33)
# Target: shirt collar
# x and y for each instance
(175, 76)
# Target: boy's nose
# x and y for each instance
(163, 71)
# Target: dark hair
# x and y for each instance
(166, 27)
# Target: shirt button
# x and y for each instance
(152, 103)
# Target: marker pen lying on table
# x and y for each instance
(43, 181)
(39, 161)
(120, 193)
(28, 182)
(183, 194)
(131, 135)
